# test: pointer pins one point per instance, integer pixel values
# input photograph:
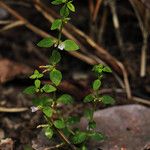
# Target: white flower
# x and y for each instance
(34, 109)
(61, 46)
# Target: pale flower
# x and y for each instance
(34, 109)
(61, 46)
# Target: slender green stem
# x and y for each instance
(60, 33)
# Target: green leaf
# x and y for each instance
(64, 11)
(88, 98)
(48, 132)
(107, 100)
(56, 24)
(88, 113)
(97, 136)
(79, 137)
(84, 147)
(46, 42)
(65, 99)
(71, 6)
(48, 88)
(96, 84)
(70, 45)
(58, 2)
(29, 90)
(36, 75)
(42, 101)
(48, 111)
(73, 120)
(66, 131)
(92, 124)
(98, 68)
(55, 57)
(56, 76)
(37, 83)
(107, 69)
(60, 124)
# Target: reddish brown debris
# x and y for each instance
(10, 69)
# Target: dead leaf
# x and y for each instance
(10, 69)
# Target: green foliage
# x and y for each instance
(47, 100)
(60, 124)
(88, 113)
(48, 132)
(64, 11)
(70, 45)
(58, 2)
(65, 99)
(96, 84)
(36, 75)
(47, 88)
(73, 120)
(55, 57)
(48, 111)
(96, 136)
(79, 137)
(92, 124)
(30, 90)
(46, 42)
(42, 102)
(37, 83)
(56, 24)
(56, 76)
(107, 100)
(89, 98)
(71, 6)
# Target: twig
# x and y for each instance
(145, 32)
(12, 110)
(141, 100)
(102, 25)
(116, 24)
(56, 146)
(12, 25)
(145, 45)
(3, 22)
(96, 10)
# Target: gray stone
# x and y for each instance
(126, 127)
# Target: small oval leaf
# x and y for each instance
(65, 99)
(60, 124)
(70, 45)
(71, 6)
(96, 84)
(48, 88)
(46, 42)
(88, 98)
(29, 90)
(56, 24)
(56, 76)
(48, 132)
(107, 100)
(79, 137)
(48, 111)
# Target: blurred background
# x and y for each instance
(111, 32)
